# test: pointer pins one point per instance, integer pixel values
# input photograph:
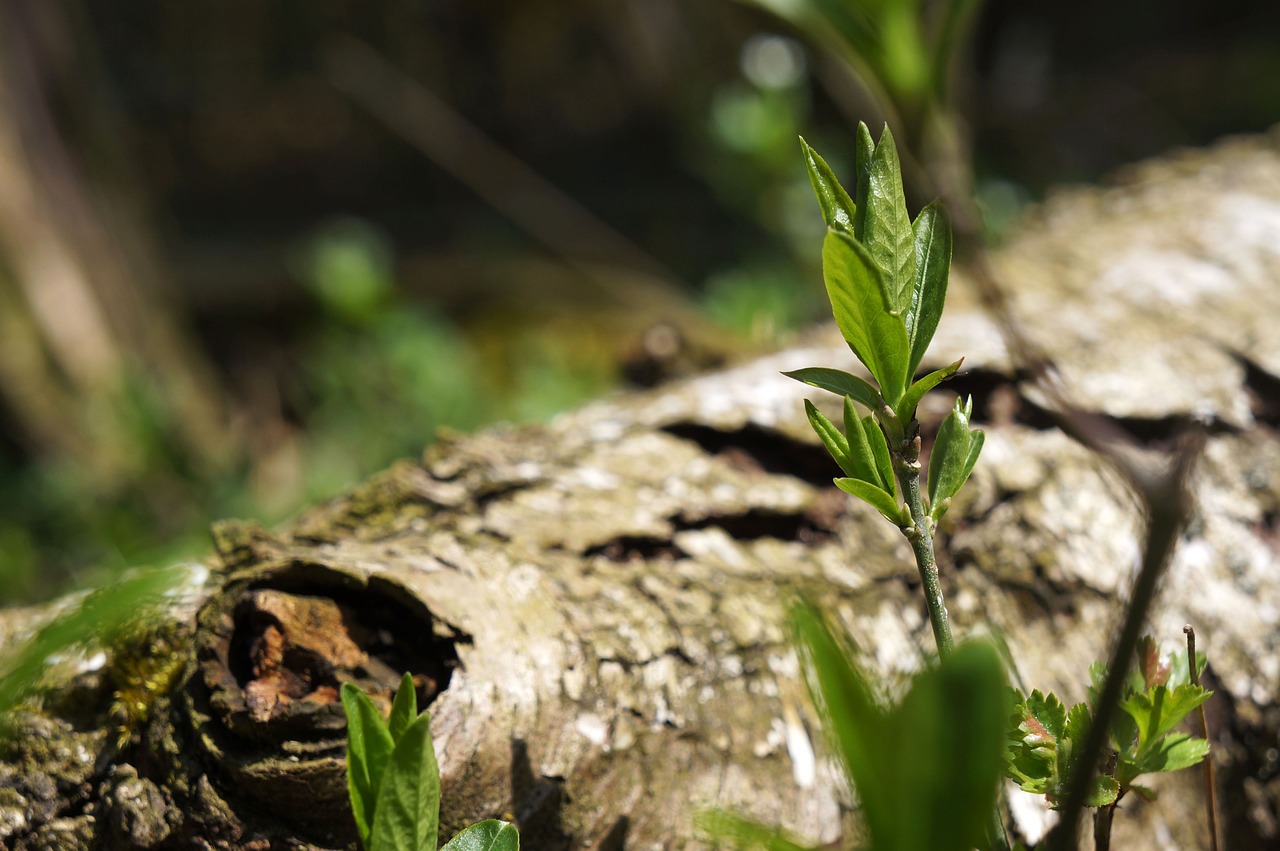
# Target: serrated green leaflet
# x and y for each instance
(837, 207)
(404, 708)
(1159, 710)
(860, 303)
(369, 747)
(876, 497)
(932, 268)
(408, 812)
(1175, 752)
(490, 835)
(1103, 791)
(840, 383)
(911, 400)
(835, 442)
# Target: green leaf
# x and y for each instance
(407, 816)
(837, 207)
(907, 407)
(369, 747)
(854, 724)
(876, 497)
(836, 444)
(840, 383)
(880, 450)
(404, 708)
(861, 305)
(932, 247)
(1144, 792)
(864, 150)
(1159, 710)
(1103, 791)
(861, 457)
(886, 227)
(948, 463)
(977, 437)
(1036, 728)
(490, 835)
(1175, 752)
(741, 832)
(946, 737)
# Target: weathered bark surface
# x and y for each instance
(595, 604)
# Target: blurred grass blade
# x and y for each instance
(95, 622)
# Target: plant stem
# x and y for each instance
(907, 465)
(1168, 506)
(906, 462)
(1102, 827)
(1210, 797)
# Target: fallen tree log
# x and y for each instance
(594, 607)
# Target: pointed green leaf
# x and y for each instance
(840, 383)
(861, 305)
(876, 497)
(947, 737)
(739, 832)
(880, 451)
(977, 438)
(864, 152)
(369, 747)
(854, 724)
(861, 458)
(407, 817)
(490, 835)
(886, 230)
(831, 438)
(949, 457)
(907, 407)
(932, 251)
(404, 708)
(837, 207)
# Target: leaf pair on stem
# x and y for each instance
(394, 781)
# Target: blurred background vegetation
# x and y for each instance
(252, 251)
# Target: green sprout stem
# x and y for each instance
(920, 534)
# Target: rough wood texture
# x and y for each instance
(595, 604)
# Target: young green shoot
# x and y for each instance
(886, 276)
(394, 781)
(1044, 744)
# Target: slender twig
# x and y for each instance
(1168, 506)
(920, 535)
(1210, 796)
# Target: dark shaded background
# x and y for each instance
(251, 252)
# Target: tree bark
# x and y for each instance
(595, 607)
